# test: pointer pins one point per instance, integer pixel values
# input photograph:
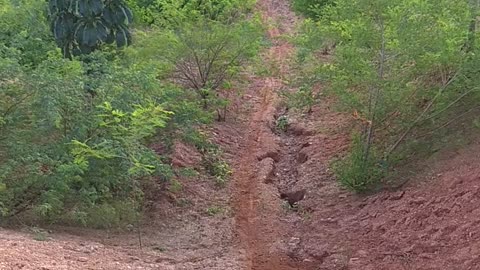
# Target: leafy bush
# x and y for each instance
(203, 56)
(357, 173)
(119, 215)
(212, 156)
(25, 32)
(398, 68)
(302, 99)
(311, 8)
(172, 13)
(63, 149)
(216, 166)
(282, 123)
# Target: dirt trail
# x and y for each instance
(256, 202)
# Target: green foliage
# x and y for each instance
(212, 156)
(81, 26)
(399, 67)
(282, 123)
(77, 123)
(172, 13)
(116, 215)
(302, 99)
(39, 235)
(216, 166)
(215, 210)
(121, 140)
(201, 56)
(188, 173)
(311, 8)
(24, 31)
(65, 150)
(175, 186)
(357, 173)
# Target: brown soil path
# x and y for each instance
(258, 208)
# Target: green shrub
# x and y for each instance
(24, 30)
(311, 8)
(282, 123)
(357, 173)
(399, 67)
(116, 215)
(202, 56)
(65, 147)
(75, 133)
(171, 13)
(212, 156)
(303, 99)
(216, 166)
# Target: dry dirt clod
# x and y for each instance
(273, 154)
(293, 197)
(396, 196)
(266, 170)
(302, 157)
(185, 156)
(307, 144)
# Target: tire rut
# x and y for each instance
(258, 212)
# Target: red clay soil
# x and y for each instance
(65, 252)
(258, 211)
(433, 223)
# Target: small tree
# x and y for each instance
(81, 26)
(472, 29)
(393, 69)
(203, 56)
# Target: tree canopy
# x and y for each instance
(81, 26)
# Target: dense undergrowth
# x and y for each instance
(407, 72)
(78, 114)
(79, 109)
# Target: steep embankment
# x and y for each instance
(434, 223)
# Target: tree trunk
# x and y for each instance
(375, 93)
(472, 28)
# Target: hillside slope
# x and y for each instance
(433, 222)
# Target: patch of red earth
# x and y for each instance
(433, 222)
(65, 252)
(258, 213)
(185, 156)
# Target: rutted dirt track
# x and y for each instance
(256, 199)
